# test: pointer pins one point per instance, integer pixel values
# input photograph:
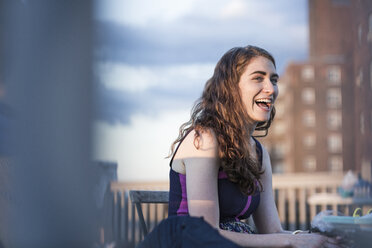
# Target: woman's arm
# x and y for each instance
(202, 165)
(266, 216)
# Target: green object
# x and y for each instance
(348, 220)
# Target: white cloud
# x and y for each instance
(133, 78)
(125, 77)
(262, 14)
(139, 148)
(204, 27)
(234, 9)
(142, 12)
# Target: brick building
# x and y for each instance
(362, 78)
(326, 119)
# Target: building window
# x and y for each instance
(360, 34)
(335, 163)
(279, 127)
(308, 95)
(362, 125)
(278, 167)
(280, 108)
(334, 120)
(307, 73)
(309, 163)
(280, 150)
(341, 2)
(309, 140)
(308, 118)
(370, 75)
(334, 75)
(359, 78)
(334, 98)
(369, 35)
(335, 143)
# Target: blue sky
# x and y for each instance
(153, 58)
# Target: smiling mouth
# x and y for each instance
(264, 103)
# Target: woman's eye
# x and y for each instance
(274, 80)
(258, 79)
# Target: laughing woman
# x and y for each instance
(219, 171)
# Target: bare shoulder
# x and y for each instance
(203, 145)
(266, 162)
(265, 153)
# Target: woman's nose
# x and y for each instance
(269, 87)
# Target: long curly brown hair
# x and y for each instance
(220, 108)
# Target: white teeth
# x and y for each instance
(265, 100)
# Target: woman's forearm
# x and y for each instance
(258, 240)
(305, 240)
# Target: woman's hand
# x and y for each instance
(314, 240)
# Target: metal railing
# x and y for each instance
(291, 192)
(126, 226)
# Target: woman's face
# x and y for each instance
(259, 89)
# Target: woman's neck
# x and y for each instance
(250, 129)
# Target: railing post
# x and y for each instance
(125, 213)
(281, 205)
(302, 207)
(313, 207)
(133, 224)
(292, 208)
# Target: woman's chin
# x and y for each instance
(262, 118)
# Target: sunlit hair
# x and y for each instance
(221, 109)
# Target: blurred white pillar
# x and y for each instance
(48, 48)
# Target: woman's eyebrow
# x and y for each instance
(259, 72)
(264, 73)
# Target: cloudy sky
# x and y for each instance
(153, 58)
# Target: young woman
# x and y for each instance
(219, 171)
